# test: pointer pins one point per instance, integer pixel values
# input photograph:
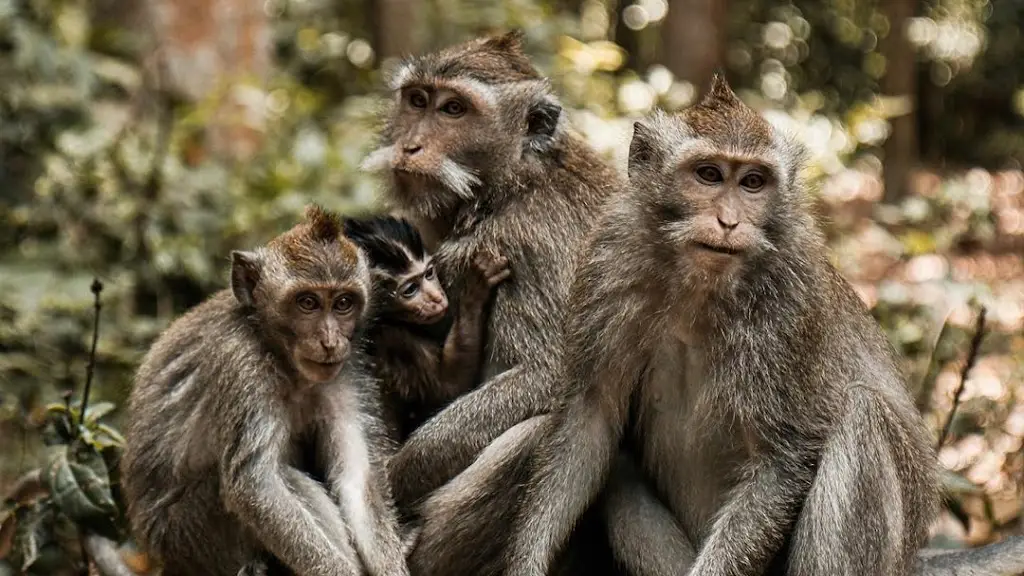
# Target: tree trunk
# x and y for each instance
(205, 46)
(693, 37)
(395, 30)
(901, 149)
(626, 38)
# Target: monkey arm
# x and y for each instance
(460, 357)
(448, 442)
(289, 515)
(750, 528)
(644, 535)
(356, 478)
(324, 509)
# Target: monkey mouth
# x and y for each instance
(719, 249)
(435, 317)
(319, 372)
(428, 319)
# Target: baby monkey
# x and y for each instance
(253, 434)
(418, 373)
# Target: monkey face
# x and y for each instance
(308, 290)
(463, 118)
(727, 200)
(436, 140)
(319, 325)
(716, 180)
(418, 297)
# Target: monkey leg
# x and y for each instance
(569, 470)
(646, 539)
(863, 514)
(465, 522)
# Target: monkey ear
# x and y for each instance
(245, 274)
(541, 125)
(643, 149)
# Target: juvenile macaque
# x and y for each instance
(761, 399)
(233, 398)
(417, 371)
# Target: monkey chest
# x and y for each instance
(690, 448)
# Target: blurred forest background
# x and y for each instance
(141, 141)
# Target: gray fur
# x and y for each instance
(765, 405)
(537, 198)
(218, 429)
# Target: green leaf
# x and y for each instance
(79, 483)
(56, 407)
(114, 435)
(32, 532)
(97, 411)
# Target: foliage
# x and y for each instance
(74, 494)
(105, 173)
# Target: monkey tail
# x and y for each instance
(1004, 558)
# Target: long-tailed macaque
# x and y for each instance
(233, 396)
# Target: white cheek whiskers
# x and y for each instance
(457, 178)
(379, 160)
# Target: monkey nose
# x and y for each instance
(727, 224)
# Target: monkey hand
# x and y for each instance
(489, 270)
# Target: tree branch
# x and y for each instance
(972, 357)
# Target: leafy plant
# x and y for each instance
(74, 497)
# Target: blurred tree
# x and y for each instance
(694, 39)
(204, 46)
(900, 85)
(395, 27)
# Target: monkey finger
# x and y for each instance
(496, 266)
(501, 276)
(483, 259)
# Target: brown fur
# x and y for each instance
(535, 193)
(494, 60)
(709, 333)
(247, 398)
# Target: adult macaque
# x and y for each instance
(708, 331)
(479, 158)
(232, 398)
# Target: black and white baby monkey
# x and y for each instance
(418, 372)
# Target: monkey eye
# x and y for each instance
(709, 174)
(429, 274)
(307, 302)
(454, 108)
(752, 182)
(418, 99)
(344, 304)
(410, 290)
